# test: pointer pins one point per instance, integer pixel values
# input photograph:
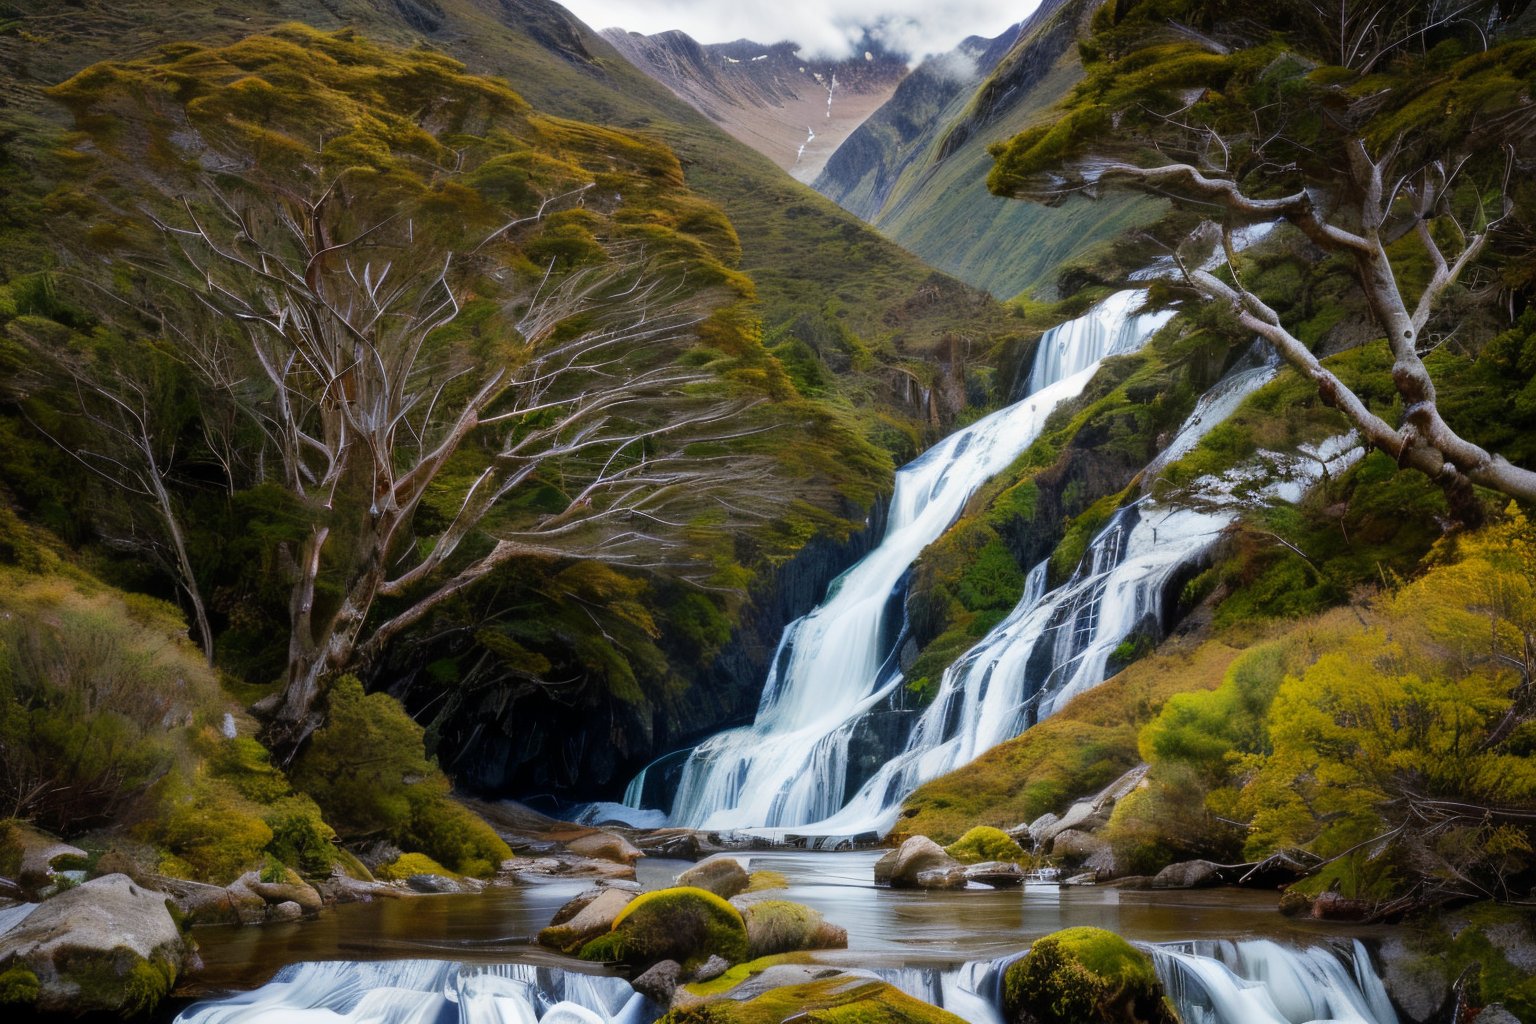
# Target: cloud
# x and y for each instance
(821, 27)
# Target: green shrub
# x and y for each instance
(209, 831)
(368, 770)
(408, 864)
(986, 843)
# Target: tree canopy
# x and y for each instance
(1394, 136)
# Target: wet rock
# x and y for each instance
(108, 945)
(1495, 1013)
(285, 911)
(1084, 976)
(711, 969)
(1104, 863)
(1083, 816)
(1330, 906)
(34, 856)
(1073, 845)
(291, 888)
(1086, 878)
(570, 866)
(997, 874)
(432, 884)
(573, 927)
(918, 856)
(199, 903)
(1420, 985)
(341, 887)
(605, 846)
(659, 982)
(250, 908)
(723, 876)
(1036, 828)
(1188, 874)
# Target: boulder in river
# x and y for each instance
(684, 924)
(783, 926)
(919, 863)
(1188, 874)
(585, 918)
(721, 875)
(772, 992)
(108, 945)
(1084, 976)
(605, 846)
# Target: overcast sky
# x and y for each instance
(827, 27)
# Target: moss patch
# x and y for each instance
(843, 1000)
(983, 843)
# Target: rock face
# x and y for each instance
(766, 95)
(919, 863)
(723, 876)
(108, 945)
(291, 889)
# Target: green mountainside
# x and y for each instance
(916, 168)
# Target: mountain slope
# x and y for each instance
(805, 255)
(795, 111)
(916, 169)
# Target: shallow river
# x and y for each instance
(886, 928)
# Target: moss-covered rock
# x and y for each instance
(783, 926)
(585, 918)
(683, 924)
(1084, 976)
(107, 946)
(843, 999)
(984, 843)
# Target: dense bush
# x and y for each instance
(369, 773)
(95, 688)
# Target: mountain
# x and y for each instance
(795, 111)
(917, 168)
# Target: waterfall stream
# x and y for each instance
(834, 672)
(1250, 982)
(429, 992)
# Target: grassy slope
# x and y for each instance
(1083, 747)
(803, 251)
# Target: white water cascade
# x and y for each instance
(834, 665)
(1250, 982)
(428, 992)
(1055, 644)
(1262, 982)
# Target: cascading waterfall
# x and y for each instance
(1250, 982)
(1054, 645)
(834, 666)
(428, 992)
(1262, 982)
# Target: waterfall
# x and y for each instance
(429, 992)
(1054, 645)
(1106, 329)
(1262, 982)
(834, 669)
(1249, 982)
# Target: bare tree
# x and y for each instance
(335, 342)
(1353, 187)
